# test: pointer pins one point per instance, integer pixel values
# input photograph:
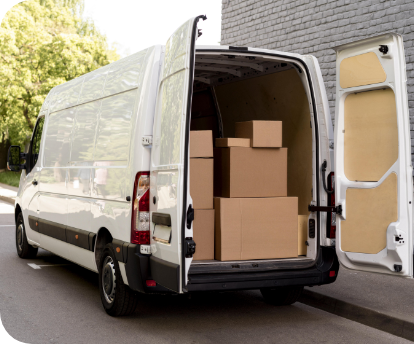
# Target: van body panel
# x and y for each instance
(169, 154)
(373, 169)
(325, 131)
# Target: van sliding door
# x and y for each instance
(169, 194)
(373, 169)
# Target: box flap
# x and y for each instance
(232, 142)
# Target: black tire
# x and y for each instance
(24, 249)
(117, 298)
(281, 296)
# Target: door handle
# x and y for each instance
(34, 182)
(161, 219)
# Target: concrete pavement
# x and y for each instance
(380, 301)
(8, 193)
(61, 304)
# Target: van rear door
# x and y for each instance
(169, 196)
(373, 171)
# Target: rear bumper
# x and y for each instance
(317, 275)
(137, 268)
(138, 271)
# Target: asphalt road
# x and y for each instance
(60, 303)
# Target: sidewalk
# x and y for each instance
(8, 193)
(379, 301)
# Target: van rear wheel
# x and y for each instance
(117, 298)
(281, 296)
(24, 249)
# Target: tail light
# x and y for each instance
(140, 223)
(331, 223)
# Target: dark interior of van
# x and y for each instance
(234, 88)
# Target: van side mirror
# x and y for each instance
(13, 159)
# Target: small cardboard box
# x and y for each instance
(203, 234)
(201, 144)
(302, 234)
(250, 172)
(261, 133)
(232, 142)
(256, 228)
(201, 183)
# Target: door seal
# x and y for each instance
(327, 209)
(190, 216)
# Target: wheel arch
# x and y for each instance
(17, 211)
(103, 237)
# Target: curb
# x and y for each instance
(369, 317)
(7, 199)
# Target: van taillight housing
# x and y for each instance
(331, 221)
(140, 223)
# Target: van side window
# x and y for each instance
(36, 141)
(57, 138)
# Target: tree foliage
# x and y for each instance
(43, 43)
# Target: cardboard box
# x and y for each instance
(201, 183)
(261, 133)
(256, 228)
(302, 234)
(250, 172)
(232, 142)
(203, 234)
(201, 144)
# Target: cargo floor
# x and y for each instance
(215, 266)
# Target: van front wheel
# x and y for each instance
(281, 296)
(117, 298)
(24, 249)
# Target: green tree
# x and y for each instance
(43, 43)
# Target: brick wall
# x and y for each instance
(315, 26)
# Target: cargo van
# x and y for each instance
(105, 182)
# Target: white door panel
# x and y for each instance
(168, 150)
(373, 172)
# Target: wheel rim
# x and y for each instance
(108, 279)
(19, 237)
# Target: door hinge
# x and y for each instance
(147, 140)
(190, 247)
(328, 209)
(190, 216)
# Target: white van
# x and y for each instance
(108, 166)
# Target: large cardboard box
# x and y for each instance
(201, 183)
(261, 133)
(203, 234)
(256, 228)
(232, 142)
(201, 144)
(250, 172)
(302, 234)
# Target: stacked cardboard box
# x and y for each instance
(201, 190)
(254, 217)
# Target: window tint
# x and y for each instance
(58, 133)
(112, 142)
(36, 140)
(84, 128)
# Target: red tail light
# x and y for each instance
(140, 224)
(151, 283)
(331, 223)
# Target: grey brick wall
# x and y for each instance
(315, 26)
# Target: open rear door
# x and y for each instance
(169, 196)
(373, 168)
